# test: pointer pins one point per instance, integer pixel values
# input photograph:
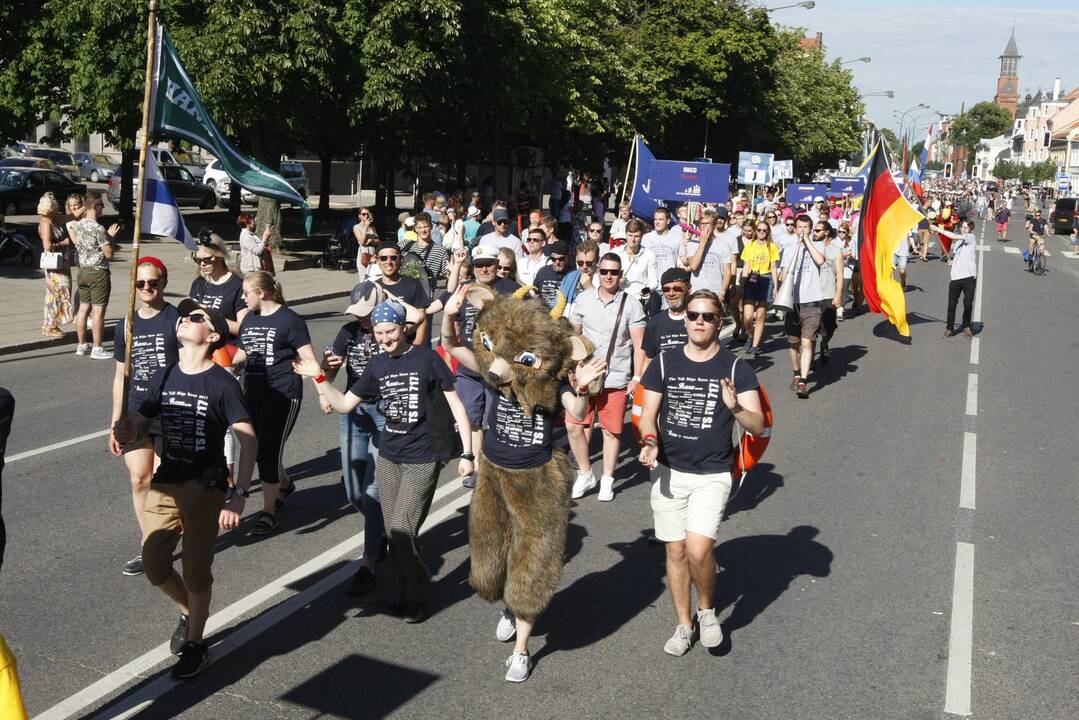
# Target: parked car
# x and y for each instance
(185, 189)
(22, 148)
(62, 159)
(223, 189)
(27, 162)
(1065, 215)
(94, 167)
(296, 176)
(22, 187)
(190, 160)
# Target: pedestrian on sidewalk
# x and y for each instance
(252, 246)
(271, 336)
(55, 239)
(401, 378)
(195, 401)
(94, 247)
(153, 347)
(693, 396)
(964, 273)
(217, 286)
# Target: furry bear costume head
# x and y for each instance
(522, 348)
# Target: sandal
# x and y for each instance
(282, 496)
(796, 382)
(264, 524)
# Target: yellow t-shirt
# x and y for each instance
(11, 706)
(759, 257)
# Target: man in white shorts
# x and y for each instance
(693, 395)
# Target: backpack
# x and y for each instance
(414, 265)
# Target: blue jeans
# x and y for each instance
(360, 431)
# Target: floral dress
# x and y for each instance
(58, 309)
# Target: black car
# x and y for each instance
(1064, 216)
(185, 189)
(21, 188)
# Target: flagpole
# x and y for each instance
(629, 164)
(144, 143)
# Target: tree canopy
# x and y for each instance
(983, 120)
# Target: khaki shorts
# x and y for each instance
(175, 510)
(686, 502)
(803, 323)
(95, 285)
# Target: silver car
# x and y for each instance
(95, 167)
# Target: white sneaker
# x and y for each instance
(680, 642)
(519, 666)
(99, 353)
(708, 627)
(507, 626)
(83, 349)
(606, 489)
(583, 483)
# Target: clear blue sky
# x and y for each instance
(943, 53)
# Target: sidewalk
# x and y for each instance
(23, 291)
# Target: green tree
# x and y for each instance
(1006, 170)
(983, 120)
(891, 141)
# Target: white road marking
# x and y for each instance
(960, 641)
(974, 348)
(1013, 250)
(972, 393)
(968, 480)
(138, 668)
(985, 248)
(1069, 254)
(56, 446)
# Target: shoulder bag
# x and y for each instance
(596, 386)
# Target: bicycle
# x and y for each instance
(1037, 260)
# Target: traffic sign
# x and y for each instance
(755, 168)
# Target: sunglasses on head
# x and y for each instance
(610, 271)
(144, 284)
(708, 317)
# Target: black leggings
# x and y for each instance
(273, 413)
(965, 286)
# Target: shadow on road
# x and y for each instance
(840, 364)
(760, 484)
(756, 570)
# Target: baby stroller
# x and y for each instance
(340, 252)
(14, 245)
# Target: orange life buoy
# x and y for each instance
(638, 407)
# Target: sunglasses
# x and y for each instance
(197, 318)
(536, 239)
(558, 258)
(203, 259)
(762, 230)
(674, 288)
(789, 224)
(502, 222)
(610, 271)
(708, 317)
(365, 215)
(388, 258)
(586, 263)
(505, 268)
(595, 230)
(147, 284)
(484, 265)
(844, 232)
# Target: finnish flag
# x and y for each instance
(160, 213)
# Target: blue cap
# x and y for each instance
(389, 311)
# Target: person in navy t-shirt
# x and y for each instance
(153, 346)
(667, 329)
(693, 396)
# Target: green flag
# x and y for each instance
(177, 110)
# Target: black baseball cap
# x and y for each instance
(674, 274)
(217, 320)
(558, 247)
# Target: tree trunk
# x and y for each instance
(267, 150)
(325, 159)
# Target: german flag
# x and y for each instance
(886, 219)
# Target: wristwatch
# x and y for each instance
(468, 456)
(240, 492)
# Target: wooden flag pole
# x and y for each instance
(144, 143)
(629, 164)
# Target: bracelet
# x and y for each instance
(320, 379)
(468, 456)
(581, 391)
(636, 378)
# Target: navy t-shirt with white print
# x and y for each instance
(195, 411)
(663, 332)
(153, 346)
(695, 425)
(547, 281)
(228, 297)
(357, 346)
(514, 440)
(271, 343)
(400, 384)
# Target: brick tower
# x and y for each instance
(1007, 95)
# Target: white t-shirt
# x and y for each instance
(494, 240)
(666, 247)
(527, 267)
(639, 272)
(709, 275)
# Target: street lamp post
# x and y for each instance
(883, 93)
(808, 5)
(861, 59)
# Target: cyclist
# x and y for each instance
(1036, 228)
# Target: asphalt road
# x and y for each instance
(838, 587)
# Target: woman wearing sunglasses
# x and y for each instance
(507, 264)
(153, 346)
(761, 257)
(216, 286)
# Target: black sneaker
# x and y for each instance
(415, 613)
(282, 496)
(469, 481)
(825, 356)
(133, 566)
(193, 658)
(179, 636)
(362, 583)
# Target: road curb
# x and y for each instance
(70, 338)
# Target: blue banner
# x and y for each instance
(755, 168)
(848, 185)
(806, 193)
(660, 181)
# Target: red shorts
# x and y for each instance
(611, 404)
(1002, 226)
